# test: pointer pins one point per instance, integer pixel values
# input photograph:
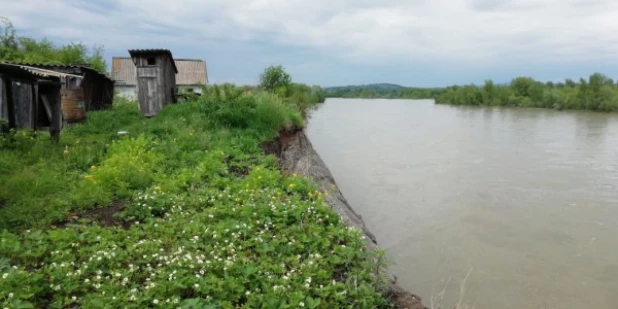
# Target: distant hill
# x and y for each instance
(375, 87)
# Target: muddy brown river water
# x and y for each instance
(524, 200)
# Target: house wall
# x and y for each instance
(128, 92)
(168, 81)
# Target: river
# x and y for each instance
(524, 200)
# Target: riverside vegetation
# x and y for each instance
(201, 218)
(382, 91)
(597, 93)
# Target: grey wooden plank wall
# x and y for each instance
(4, 113)
(24, 105)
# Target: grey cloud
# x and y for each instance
(369, 32)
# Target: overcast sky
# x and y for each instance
(340, 42)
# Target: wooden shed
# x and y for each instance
(98, 88)
(156, 79)
(30, 98)
(83, 89)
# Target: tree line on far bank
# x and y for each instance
(598, 93)
(372, 92)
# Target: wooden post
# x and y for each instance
(56, 112)
(10, 102)
(3, 104)
(35, 105)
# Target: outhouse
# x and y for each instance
(156, 79)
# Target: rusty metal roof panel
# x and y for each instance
(191, 72)
(123, 71)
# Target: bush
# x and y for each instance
(275, 79)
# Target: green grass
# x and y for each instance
(208, 220)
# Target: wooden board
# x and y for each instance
(46, 106)
(149, 91)
(73, 106)
(24, 108)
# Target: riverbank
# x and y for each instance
(298, 157)
(184, 210)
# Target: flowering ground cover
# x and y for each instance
(183, 211)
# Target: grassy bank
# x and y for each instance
(597, 93)
(182, 211)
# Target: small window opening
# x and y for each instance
(151, 61)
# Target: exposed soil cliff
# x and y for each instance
(296, 155)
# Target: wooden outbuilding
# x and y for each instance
(98, 88)
(156, 79)
(30, 98)
(83, 88)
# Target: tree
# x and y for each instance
(490, 91)
(275, 79)
(25, 49)
(570, 83)
(8, 40)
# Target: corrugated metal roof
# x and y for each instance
(51, 66)
(190, 71)
(134, 52)
(45, 72)
(29, 72)
(123, 71)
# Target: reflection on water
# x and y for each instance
(526, 198)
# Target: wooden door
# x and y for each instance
(149, 94)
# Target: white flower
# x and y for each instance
(196, 285)
(74, 298)
(5, 275)
(11, 295)
(248, 293)
(155, 301)
(301, 304)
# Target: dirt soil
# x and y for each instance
(103, 216)
(296, 155)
